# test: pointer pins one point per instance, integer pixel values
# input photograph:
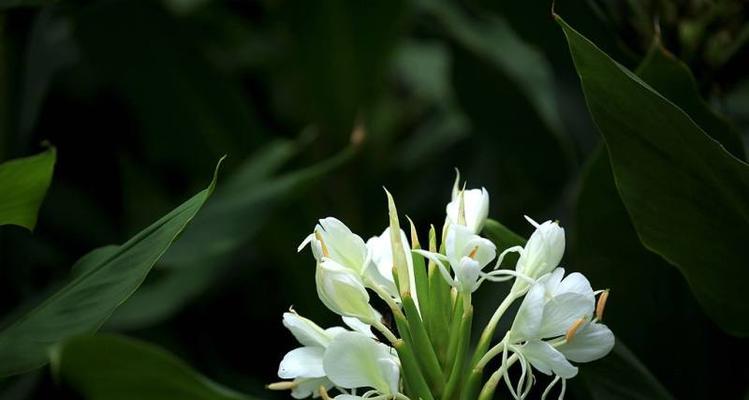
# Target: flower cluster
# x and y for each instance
(429, 294)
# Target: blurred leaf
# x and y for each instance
(23, 184)
(502, 84)
(50, 49)
(180, 99)
(234, 215)
(672, 79)
(338, 54)
(501, 236)
(620, 375)
(687, 197)
(103, 279)
(24, 3)
(108, 367)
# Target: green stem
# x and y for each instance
(411, 371)
(491, 385)
(454, 381)
(427, 357)
(474, 379)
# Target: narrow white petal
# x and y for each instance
(529, 317)
(548, 360)
(302, 362)
(305, 331)
(310, 387)
(358, 326)
(590, 342)
(575, 283)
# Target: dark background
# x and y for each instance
(142, 98)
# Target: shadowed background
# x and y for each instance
(318, 105)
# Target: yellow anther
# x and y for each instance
(473, 252)
(325, 252)
(324, 393)
(601, 305)
(283, 385)
(573, 329)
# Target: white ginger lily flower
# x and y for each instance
(353, 360)
(304, 365)
(380, 269)
(540, 255)
(554, 325)
(475, 207)
(467, 253)
(332, 239)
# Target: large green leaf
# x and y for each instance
(671, 78)
(102, 280)
(108, 367)
(23, 184)
(234, 215)
(687, 197)
(608, 252)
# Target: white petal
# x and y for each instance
(552, 281)
(344, 247)
(305, 331)
(358, 326)
(548, 360)
(543, 251)
(591, 342)
(342, 291)
(302, 362)
(381, 253)
(305, 242)
(310, 387)
(575, 283)
(561, 311)
(354, 360)
(529, 317)
(466, 274)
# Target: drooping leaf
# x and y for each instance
(234, 215)
(688, 198)
(608, 252)
(23, 184)
(620, 376)
(102, 280)
(109, 367)
(672, 79)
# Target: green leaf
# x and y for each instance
(109, 367)
(23, 184)
(501, 236)
(235, 214)
(102, 280)
(620, 376)
(672, 79)
(611, 256)
(687, 197)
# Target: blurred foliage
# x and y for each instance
(320, 104)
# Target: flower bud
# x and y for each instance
(354, 360)
(343, 292)
(542, 253)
